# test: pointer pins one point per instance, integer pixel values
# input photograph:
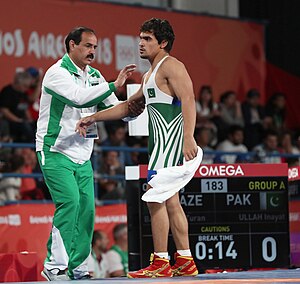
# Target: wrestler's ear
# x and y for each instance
(163, 44)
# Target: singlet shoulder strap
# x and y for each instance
(159, 63)
(154, 70)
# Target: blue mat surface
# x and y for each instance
(278, 274)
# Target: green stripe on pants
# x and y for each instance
(71, 187)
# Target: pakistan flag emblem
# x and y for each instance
(151, 93)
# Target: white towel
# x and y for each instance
(168, 181)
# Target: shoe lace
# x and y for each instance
(151, 258)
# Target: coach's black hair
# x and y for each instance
(75, 35)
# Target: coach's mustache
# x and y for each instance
(91, 56)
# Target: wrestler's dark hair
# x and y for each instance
(75, 35)
(161, 29)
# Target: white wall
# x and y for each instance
(150, 3)
(228, 8)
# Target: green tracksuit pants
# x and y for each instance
(71, 187)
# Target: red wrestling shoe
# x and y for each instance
(184, 266)
(159, 267)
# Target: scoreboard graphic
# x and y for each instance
(237, 214)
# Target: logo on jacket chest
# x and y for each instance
(93, 81)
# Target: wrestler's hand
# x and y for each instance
(83, 124)
(189, 148)
(136, 107)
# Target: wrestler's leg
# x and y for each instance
(178, 222)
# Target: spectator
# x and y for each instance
(4, 138)
(109, 188)
(14, 107)
(276, 111)
(97, 261)
(293, 162)
(29, 189)
(135, 155)
(111, 163)
(297, 142)
(286, 146)
(253, 114)
(203, 138)
(5, 155)
(268, 147)
(10, 186)
(116, 137)
(118, 253)
(207, 110)
(233, 143)
(4, 130)
(143, 156)
(34, 92)
(231, 114)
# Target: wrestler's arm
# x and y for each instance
(182, 86)
(123, 109)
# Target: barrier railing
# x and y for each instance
(99, 149)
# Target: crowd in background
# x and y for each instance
(105, 261)
(228, 125)
(243, 127)
(239, 128)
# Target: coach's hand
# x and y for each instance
(124, 74)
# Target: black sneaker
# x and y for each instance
(85, 277)
(55, 274)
